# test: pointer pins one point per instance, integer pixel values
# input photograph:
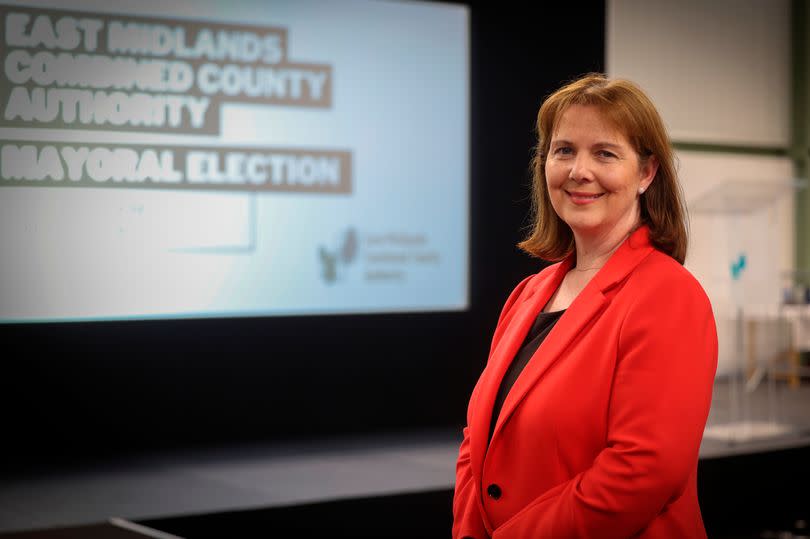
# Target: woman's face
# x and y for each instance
(593, 175)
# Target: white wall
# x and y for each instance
(719, 70)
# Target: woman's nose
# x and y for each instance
(581, 170)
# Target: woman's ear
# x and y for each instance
(649, 168)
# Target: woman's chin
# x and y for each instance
(585, 226)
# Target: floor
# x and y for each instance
(258, 477)
(771, 416)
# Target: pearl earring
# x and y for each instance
(640, 190)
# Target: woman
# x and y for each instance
(587, 420)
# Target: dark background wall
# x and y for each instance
(92, 390)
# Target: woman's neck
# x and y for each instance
(593, 252)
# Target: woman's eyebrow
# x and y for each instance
(608, 145)
(600, 144)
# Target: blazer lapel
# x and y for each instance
(587, 305)
(568, 327)
(502, 356)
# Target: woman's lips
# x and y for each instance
(583, 198)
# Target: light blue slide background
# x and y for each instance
(400, 106)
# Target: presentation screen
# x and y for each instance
(242, 158)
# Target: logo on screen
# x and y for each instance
(335, 261)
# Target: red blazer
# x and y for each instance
(599, 436)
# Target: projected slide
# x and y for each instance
(242, 158)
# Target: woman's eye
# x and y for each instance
(563, 150)
(605, 153)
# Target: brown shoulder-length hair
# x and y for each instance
(625, 105)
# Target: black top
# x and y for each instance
(537, 334)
